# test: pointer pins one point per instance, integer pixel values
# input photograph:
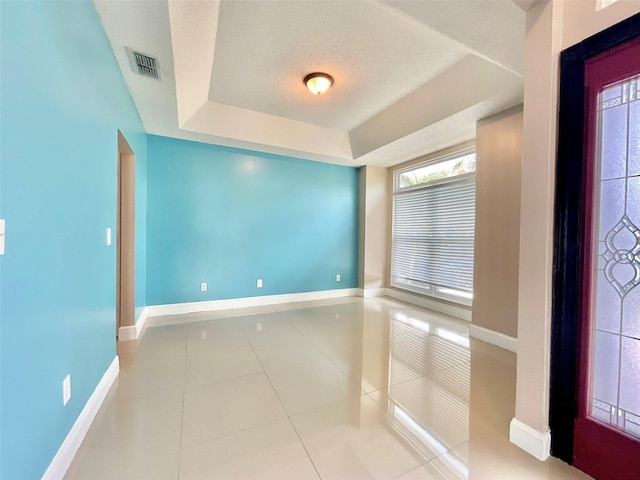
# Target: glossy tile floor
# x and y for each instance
(345, 389)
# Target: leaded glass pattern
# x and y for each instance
(616, 338)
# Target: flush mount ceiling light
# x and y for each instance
(318, 82)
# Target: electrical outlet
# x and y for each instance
(337, 277)
(2, 235)
(203, 287)
(66, 389)
(259, 283)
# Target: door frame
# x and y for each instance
(125, 238)
(571, 209)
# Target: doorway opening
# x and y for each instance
(125, 241)
(591, 418)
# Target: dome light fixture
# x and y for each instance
(318, 82)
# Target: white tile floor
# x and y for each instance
(345, 389)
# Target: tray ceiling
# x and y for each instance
(410, 77)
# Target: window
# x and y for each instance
(615, 280)
(433, 228)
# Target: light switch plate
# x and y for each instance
(108, 236)
(66, 389)
(2, 236)
(259, 283)
(337, 277)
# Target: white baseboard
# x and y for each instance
(495, 338)
(193, 307)
(447, 309)
(63, 458)
(213, 305)
(530, 440)
(134, 331)
(142, 320)
(372, 292)
(127, 333)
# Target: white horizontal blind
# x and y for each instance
(433, 236)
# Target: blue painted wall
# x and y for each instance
(63, 99)
(228, 217)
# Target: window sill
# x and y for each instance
(457, 310)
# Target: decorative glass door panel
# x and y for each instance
(607, 428)
(615, 339)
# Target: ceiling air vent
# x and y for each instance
(144, 65)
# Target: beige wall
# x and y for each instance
(581, 20)
(374, 227)
(551, 26)
(495, 279)
(362, 218)
(542, 46)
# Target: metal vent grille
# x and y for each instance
(144, 65)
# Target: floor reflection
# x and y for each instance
(432, 412)
(345, 389)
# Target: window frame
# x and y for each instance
(433, 161)
(433, 291)
(567, 242)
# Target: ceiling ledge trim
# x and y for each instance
(193, 28)
(263, 129)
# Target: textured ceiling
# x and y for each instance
(410, 77)
(265, 49)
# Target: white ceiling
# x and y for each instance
(265, 49)
(411, 77)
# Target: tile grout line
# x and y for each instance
(362, 392)
(305, 448)
(316, 348)
(228, 379)
(192, 346)
(266, 374)
(242, 430)
(262, 372)
(284, 409)
(386, 387)
(289, 417)
(184, 393)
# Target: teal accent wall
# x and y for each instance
(228, 217)
(63, 100)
